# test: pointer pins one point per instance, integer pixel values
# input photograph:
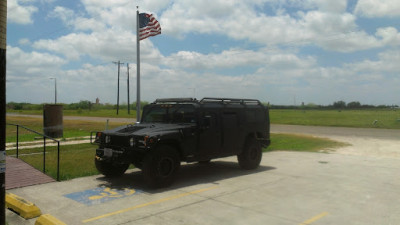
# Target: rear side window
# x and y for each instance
(254, 116)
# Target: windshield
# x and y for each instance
(169, 114)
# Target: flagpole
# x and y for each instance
(138, 67)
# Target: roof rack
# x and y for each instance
(175, 100)
(231, 101)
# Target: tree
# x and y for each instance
(354, 105)
(339, 105)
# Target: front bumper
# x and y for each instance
(108, 154)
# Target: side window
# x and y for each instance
(184, 114)
(209, 119)
(254, 116)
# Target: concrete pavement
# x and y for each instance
(288, 188)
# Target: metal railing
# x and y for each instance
(44, 147)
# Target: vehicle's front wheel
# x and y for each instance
(251, 156)
(110, 169)
(160, 166)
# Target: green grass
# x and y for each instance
(364, 118)
(111, 113)
(75, 160)
(78, 160)
(71, 128)
(301, 143)
(385, 118)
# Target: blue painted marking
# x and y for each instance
(100, 195)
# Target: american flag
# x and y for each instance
(148, 26)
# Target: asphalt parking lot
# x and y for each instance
(288, 188)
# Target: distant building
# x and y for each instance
(97, 101)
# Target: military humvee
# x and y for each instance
(179, 130)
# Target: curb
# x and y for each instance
(28, 210)
(47, 219)
(24, 208)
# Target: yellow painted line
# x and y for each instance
(315, 218)
(47, 219)
(148, 204)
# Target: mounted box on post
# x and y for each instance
(53, 120)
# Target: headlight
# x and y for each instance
(147, 141)
(132, 142)
(98, 137)
(108, 139)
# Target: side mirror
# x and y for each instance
(206, 122)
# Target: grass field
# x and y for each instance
(364, 118)
(78, 160)
(111, 113)
(379, 118)
(71, 128)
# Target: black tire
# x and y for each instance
(251, 156)
(160, 166)
(110, 169)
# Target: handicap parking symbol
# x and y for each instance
(100, 195)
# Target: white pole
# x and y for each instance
(138, 67)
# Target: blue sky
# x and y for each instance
(278, 51)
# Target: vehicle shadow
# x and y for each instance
(188, 175)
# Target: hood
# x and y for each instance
(147, 129)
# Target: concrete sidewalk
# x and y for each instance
(288, 188)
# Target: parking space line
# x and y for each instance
(148, 204)
(315, 218)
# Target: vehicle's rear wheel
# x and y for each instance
(251, 156)
(160, 166)
(110, 169)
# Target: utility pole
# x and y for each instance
(3, 46)
(119, 63)
(129, 108)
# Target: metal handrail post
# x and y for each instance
(44, 147)
(17, 139)
(58, 160)
(44, 155)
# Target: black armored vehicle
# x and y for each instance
(185, 130)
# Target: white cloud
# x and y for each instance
(378, 8)
(89, 24)
(64, 14)
(389, 36)
(120, 14)
(235, 58)
(360, 40)
(28, 75)
(386, 64)
(24, 41)
(106, 32)
(327, 24)
(21, 63)
(20, 13)
(337, 6)
(108, 45)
